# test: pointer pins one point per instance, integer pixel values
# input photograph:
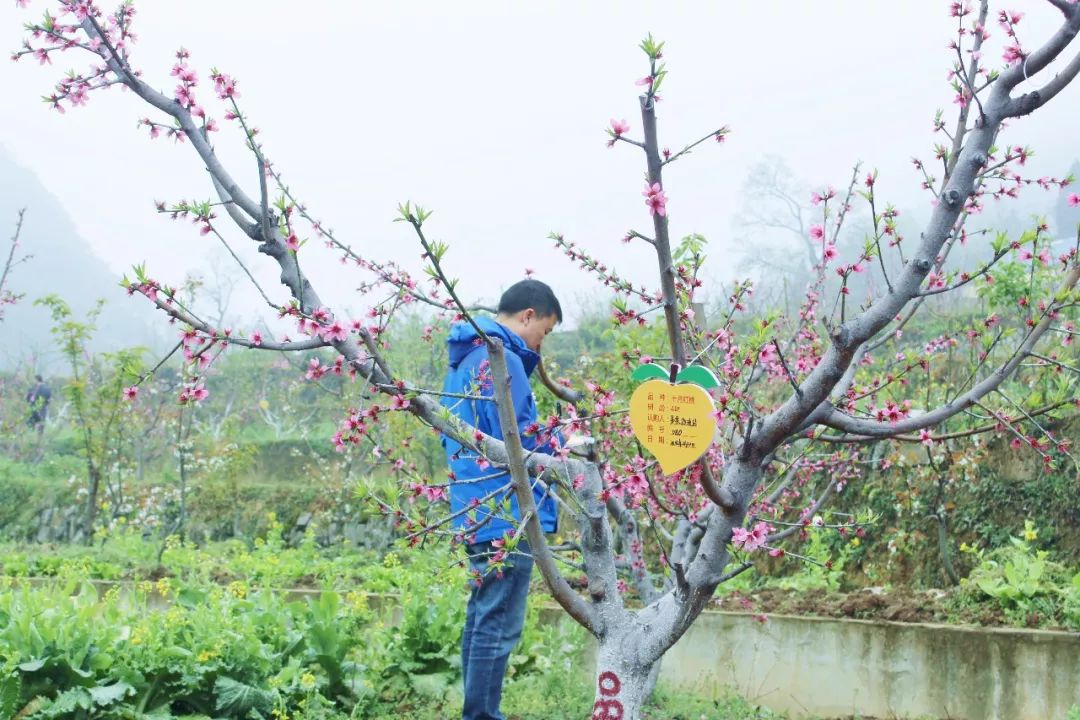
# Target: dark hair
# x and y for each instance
(526, 294)
(38, 378)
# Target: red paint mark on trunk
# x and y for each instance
(608, 708)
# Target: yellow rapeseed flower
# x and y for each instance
(357, 600)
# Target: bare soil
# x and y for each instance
(911, 606)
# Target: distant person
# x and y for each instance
(495, 616)
(38, 398)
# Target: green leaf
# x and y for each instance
(175, 651)
(431, 685)
(108, 694)
(101, 661)
(10, 689)
(698, 375)
(191, 598)
(238, 700)
(69, 702)
(648, 372)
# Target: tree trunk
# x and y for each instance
(650, 681)
(91, 502)
(943, 548)
(623, 686)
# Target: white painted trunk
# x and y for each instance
(622, 687)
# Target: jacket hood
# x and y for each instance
(463, 340)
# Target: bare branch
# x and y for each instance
(788, 532)
(736, 571)
(174, 310)
(416, 219)
(170, 107)
(718, 134)
(560, 590)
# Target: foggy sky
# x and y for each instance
(492, 114)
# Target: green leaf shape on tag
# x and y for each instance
(649, 371)
(698, 375)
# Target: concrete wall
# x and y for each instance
(825, 667)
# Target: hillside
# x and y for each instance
(63, 263)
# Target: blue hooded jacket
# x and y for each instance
(467, 352)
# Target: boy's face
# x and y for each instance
(532, 328)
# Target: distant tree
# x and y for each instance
(7, 297)
(775, 203)
(97, 391)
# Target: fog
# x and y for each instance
(492, 115)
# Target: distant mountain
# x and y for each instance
(63, 263)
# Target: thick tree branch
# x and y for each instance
(1035, 63)
(831, 417)
(979, 430)
(171, 107)
(1050, 90)
(847, 338)
(660, 231)
(574, 605)
(562, 392)
(631, 534)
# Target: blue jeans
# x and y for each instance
(493, 623)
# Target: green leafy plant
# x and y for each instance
(822, 568)
(1028, 586)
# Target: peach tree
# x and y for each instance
(797, 397)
